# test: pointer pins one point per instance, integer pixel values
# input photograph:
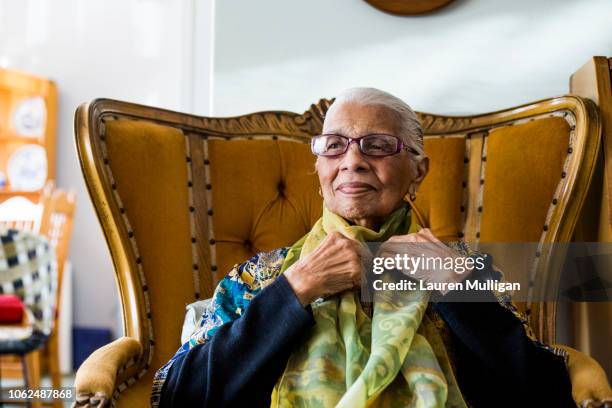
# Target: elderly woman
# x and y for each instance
(288, 327)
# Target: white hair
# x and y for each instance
(410, 127)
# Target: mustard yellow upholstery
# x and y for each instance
(148, 165)
(256, 186)
(182, 199)
(97, 374)
(523, 167)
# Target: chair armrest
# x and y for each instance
(590, 387)
(96, 378)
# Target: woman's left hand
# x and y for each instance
(425, 245)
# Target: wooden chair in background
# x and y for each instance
(52, 217)
(56, 225)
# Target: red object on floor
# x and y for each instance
(11, 309)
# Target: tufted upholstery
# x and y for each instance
(183, 198)
(268, 201)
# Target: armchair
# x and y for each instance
(154, 174)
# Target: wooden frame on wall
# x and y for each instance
(408, 7)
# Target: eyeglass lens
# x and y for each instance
(373, 145)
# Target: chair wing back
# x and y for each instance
(183, 198)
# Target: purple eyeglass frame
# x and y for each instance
(400, 146)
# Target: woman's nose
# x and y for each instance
(353, 159)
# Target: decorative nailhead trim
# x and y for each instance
(209, 211)
(141, 276)
(465, 191)
(571, 120)
(195, 257)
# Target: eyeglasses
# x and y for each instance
(330, 145)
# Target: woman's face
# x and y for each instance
(365, 189)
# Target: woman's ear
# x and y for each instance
(422, 167)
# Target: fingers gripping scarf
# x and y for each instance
(352, 361)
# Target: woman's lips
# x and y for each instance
(355, 187)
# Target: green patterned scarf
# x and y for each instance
(350, 360)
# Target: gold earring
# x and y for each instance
(320, 192)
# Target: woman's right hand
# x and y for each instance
(334, 266)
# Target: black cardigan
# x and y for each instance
(500, 366)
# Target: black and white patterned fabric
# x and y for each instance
(28, 269)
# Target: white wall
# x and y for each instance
(134, 50)
(471, 57)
